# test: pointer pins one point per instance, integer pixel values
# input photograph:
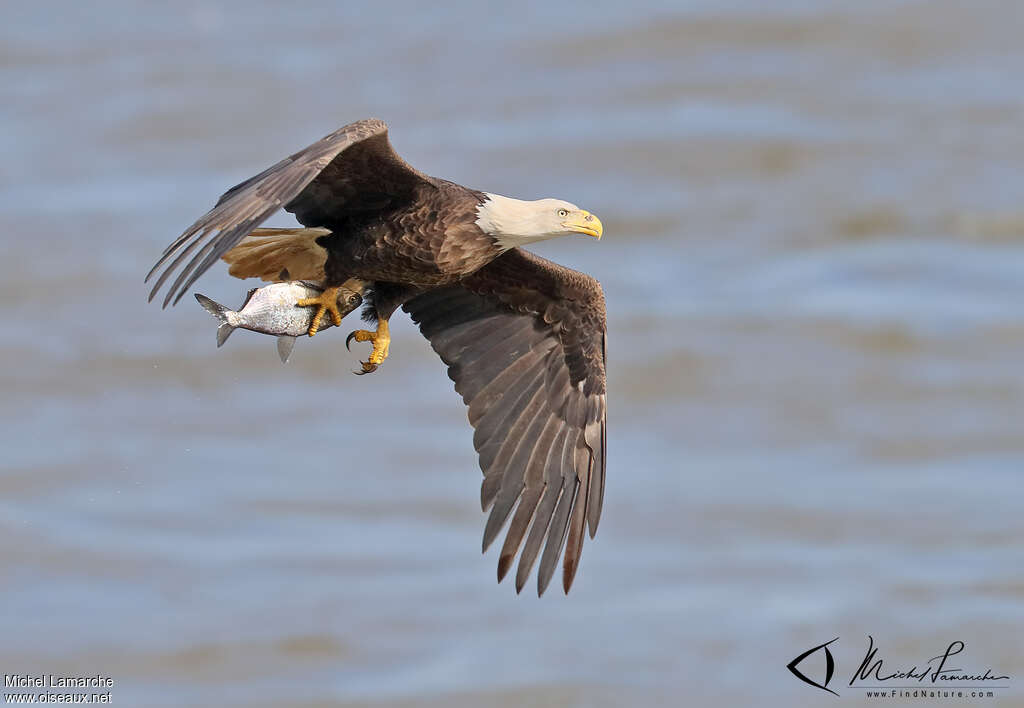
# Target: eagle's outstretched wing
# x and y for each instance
(354, 169)
(524, 341)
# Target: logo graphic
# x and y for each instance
(934, 678)
(830, 667)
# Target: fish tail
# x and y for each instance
(221, 313)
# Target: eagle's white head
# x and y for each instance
(514, 222)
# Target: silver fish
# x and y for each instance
(272, 310)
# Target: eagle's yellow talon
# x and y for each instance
(327, 301)
(381, 344)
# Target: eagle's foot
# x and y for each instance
(381, 343)
(327, 301)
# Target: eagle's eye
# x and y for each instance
(563, 212)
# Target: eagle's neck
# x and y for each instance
(513, 222)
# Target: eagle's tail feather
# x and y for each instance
(279, 254)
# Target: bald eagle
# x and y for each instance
(523, 338)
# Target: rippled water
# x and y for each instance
(812, 260)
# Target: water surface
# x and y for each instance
(812, 261)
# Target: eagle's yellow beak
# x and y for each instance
(585, 223)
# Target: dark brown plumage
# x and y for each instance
(523, 338)
(529, 363)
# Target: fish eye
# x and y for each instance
(563, 212)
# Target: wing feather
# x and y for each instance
(596, 497)
(524, 341)
(556, 534)
(517, 383)
(509, 465)
(533, 488)
(574, 543)
(552, 493)
(538, 531)
(353, 169)
(489, 445)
